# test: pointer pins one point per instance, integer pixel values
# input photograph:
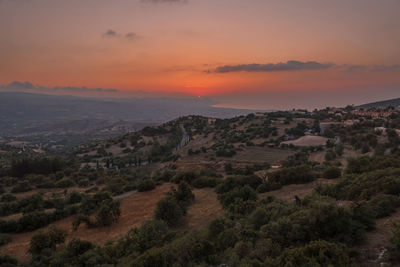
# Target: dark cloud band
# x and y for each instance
(288, 66)
(29, 86)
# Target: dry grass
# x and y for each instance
(262, 154)
(318, 156)
(205, 208)
(288, 192)
(135, 209)
(308, 140)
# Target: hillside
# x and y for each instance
(265, 189)
(395, 102)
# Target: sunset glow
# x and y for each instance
(182, 46)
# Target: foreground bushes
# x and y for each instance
(172, 208)
(34, 220)
(98, 210)
(292, 175)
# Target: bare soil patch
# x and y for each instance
(262, 154)
(308, 140)
(288, 192)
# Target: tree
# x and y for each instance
(184, 194)
(330, 155)
(108, 213)
(332, 173)
(47, 240)
(169, 211)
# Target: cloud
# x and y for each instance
(385, 67)
(110, 33)
(114, 34)
(164, 1)
(372, 68)
(21, 85)
(28, 86)
(131, 36)
(294, 65)
(291, 65)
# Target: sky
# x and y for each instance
(260, 54)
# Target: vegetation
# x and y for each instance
(323, 228)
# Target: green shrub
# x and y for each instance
(4, 239)
(7, 261)
(8, 198)
(21, 187)
(332, 173)
(292, 175)
(244, 193)
(108, 212)
(205, 181)
(169, 210)
(65, 183)
(47, 240)
(146, 185)
(317, 253)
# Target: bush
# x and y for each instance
(267, 187)
(395, 240)
(65, 183)
(316, 253)
(332, 173)
(151, 233)
(7, 261)
(21, 187)
(244, 193)
(168, 210)
(330, 155)
(292, 175)
(226, 153)
(4, 239)
(205, 181)
(8, 198)
(232, 182)
(187, 177)
(146, 185)
(108, 213)
(47, 240)
(183, 195)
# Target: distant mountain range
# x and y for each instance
(395, 102)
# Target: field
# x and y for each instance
(261, 154)
(308, 140)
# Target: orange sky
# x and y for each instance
(177, 46)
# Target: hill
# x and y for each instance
(395, 102)
(207, 191)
